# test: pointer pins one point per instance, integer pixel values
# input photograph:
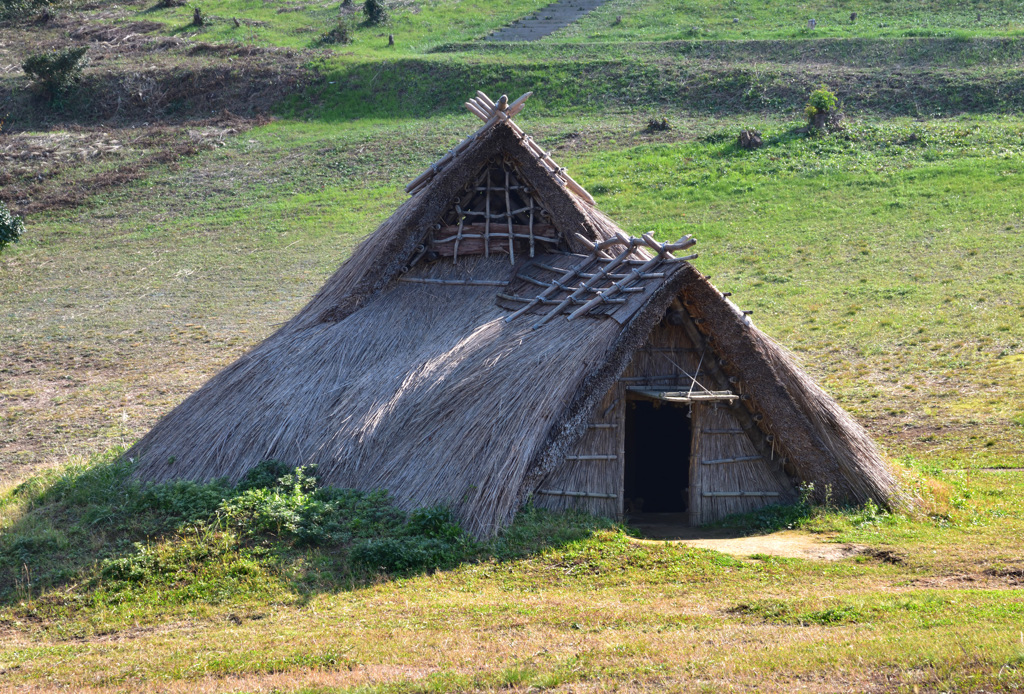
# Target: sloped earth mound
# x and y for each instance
(62, 169)
(144, 101)
(176, 91)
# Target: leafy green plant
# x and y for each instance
(376, 12)
(431, 539)
(821, 110)
(658, 125)
(11, 227)
(822, 101)
(55, 72)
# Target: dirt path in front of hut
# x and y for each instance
(547, 20)
(784, 543)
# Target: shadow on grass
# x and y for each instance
(88, 536)
(436, 85)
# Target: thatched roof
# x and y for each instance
(393, 377)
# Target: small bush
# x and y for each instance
(16, 9)
(340, 34)
(11, 227)
(436, 523)
(376, 12)
(821, 110)
(655, 125)
(55, 72)
(404, 554)
(822, 100)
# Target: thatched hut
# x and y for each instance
(498, 340)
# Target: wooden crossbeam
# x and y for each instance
(560, 492)
(741, 459)
(598, 276)
(569, 274)
(635, 273)
(684, 397)
(713, 494)
(548, 302)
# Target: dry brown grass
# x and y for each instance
(634, 638)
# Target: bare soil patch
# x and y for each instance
(989, 579)
(63, 169)
(784, 543)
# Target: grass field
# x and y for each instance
(165, 237)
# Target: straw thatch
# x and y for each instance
(405, 372)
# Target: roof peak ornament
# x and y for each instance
(491, 113)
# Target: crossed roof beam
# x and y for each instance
(602, 295)
(491, 113)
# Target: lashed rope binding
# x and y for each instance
(491, 113)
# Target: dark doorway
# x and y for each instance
(657, 472)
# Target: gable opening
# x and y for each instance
(496, 213)
(656, 474)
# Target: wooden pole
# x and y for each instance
(569, 274)
(487, 217)
(589, 283)
(458, 235)
(508, 218)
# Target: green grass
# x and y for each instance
(417, 26)
(885, 256)
(86, 554)
(421, 25)
(88, 542)
(586, 84)
(652, 20)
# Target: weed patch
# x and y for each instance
(183, 543)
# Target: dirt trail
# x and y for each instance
(785, 543)
(546, 20)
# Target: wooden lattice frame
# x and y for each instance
(602, 285)
(496, 212)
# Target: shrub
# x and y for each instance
(55, 72)
(436, 523)
(431, 539)
(340, 34)
(14, 9)
(821, 110)
(656, 125)
(11, 227)
(822, 101)
(403, 554)
(285, 502)
(376, 12)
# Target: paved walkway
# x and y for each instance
(546, 20)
